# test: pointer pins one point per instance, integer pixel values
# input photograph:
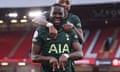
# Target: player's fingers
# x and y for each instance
(58, 66)
(53, 67)
(63, 66)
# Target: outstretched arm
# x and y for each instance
(42, 21)
(37, 57)
(77, 54)
(79, 31)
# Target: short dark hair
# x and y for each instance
(57, 4)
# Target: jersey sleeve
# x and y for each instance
(37, 38)
(74, 36)
(76, 21)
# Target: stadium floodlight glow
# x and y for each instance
(23, 20)
(34, 13)
(14, 21)
(13, 14)
(1, 21)
(4, 63)
(24, 17)
(21, 63)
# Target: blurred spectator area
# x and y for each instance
(99, 22)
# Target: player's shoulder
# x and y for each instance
(71, 15)
(75, 20)
(46, 13)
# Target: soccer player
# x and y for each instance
(71, 21)
(56, 53)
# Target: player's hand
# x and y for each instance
(63, 60)
(40, 20)
(68, 27)
(54, 63)
(53, 32)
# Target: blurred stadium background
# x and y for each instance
(100, 22)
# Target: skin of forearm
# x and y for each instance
(36, 56)
(76, 55)
(40, 58)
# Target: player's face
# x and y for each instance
(65, 3)
(57, 14)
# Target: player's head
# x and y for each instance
(65, 3)
(57, 13)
